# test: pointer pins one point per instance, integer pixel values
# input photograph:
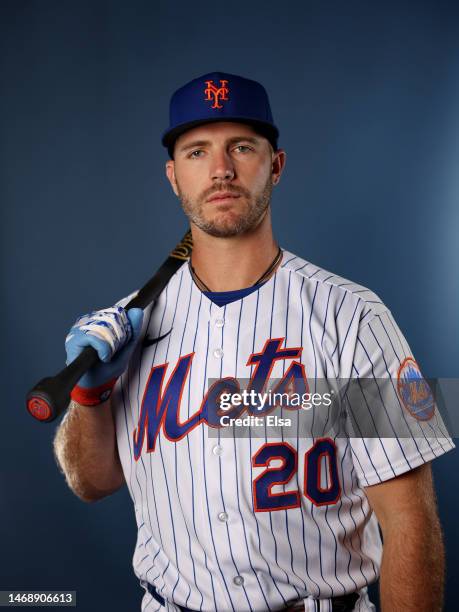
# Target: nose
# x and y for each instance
(222, 167)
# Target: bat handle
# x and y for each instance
(51, 396)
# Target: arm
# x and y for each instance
(413, 564)
(86, 451)
(85, 443)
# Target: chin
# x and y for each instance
(232, 225)
(227, 220)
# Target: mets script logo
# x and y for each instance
(162, 396)
(216, 93)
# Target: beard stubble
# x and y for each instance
(224, 225)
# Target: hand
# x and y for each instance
(113, 333)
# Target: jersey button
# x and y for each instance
(218, 353)
(223, 517)
(217, 450)
(219, 322)
(238, 580)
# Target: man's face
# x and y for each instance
(223, 174)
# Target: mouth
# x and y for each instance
(223, 196)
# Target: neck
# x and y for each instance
(227, 264)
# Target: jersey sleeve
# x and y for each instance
(392, 419)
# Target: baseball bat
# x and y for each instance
(51, 396)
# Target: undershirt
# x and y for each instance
(222, 298)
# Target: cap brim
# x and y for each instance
(267, 130)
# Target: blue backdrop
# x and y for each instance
(366, 96)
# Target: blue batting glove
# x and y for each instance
(113, 333)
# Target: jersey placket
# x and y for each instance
(219, 462)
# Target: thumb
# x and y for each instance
(135, 316)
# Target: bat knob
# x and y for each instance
(47, 400)
(39, 408)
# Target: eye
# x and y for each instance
(195, 154)
(243, 148)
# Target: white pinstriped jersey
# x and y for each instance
(218, 527)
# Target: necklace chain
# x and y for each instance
(263, 277)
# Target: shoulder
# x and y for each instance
(125, 300)
(173, 282)
(331, 286)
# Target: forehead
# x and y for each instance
(218, 131)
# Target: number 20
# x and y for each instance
(264, 500)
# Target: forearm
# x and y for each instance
(85, 449)
(413, 565)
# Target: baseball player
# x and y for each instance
(235, 512)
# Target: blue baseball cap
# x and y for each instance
(219, 96)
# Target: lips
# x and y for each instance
(222, 195)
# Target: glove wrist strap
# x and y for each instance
(94, 396)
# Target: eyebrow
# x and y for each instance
(230, 141)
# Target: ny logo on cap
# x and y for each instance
(216, 93)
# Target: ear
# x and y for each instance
(170, 173)
(278, 164)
